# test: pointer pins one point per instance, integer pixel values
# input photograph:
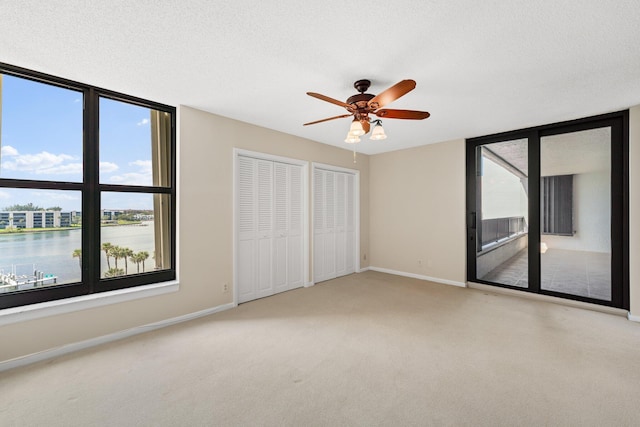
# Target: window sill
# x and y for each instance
(69, 305)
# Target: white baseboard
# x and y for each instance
(419, 276)
(362, 270)
(633, 318)
(308, 284)
(92, 342)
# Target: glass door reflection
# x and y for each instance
(575, 213)
(502, 217)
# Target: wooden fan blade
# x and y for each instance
(326, 120)
(391, 94)
(402, 114)
(331, 100)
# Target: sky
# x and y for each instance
(41, 139)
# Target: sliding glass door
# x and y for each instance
(503, 214)
(575, 213)
(546, 211)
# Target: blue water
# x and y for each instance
(52, 251)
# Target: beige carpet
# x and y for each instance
(364, 350)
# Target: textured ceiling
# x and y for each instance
(481, 66)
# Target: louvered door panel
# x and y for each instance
(247, 228)
(330, 223)
(350, 226)
(334, 224)
(265, 228)
(341, 219)
(296, 220)
(318, 225)
(281, 226)
(270, 226)
(246, 198)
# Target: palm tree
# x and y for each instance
(135, 258)
(143, 257)
(126, 253)
(106, 247)
(77, 253)
(116, 253)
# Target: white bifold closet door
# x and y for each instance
(334, 224)
(270, 235)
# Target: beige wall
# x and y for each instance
(412, 209)
(634, 210)
(205, 230)
(417, 208)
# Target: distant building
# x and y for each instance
(36, 219)
(111, 214)
(143, 217)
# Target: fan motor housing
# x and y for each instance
(360, 100)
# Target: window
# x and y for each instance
(87, 189)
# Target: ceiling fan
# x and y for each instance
(361, 105)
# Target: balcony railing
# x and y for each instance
(497, 229)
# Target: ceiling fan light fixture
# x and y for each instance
(352, 139)
(378, 132)
(356, 128)
(363, 106)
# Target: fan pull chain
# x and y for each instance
(354, 156)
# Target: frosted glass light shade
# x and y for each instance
(378, 133)
(356, 128)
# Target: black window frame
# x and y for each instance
(91, 190)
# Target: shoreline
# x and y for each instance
(41, 230)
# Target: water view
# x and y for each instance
(51, 252)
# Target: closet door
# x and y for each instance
(264, 282)
(340, 225)
(295, 239)
(318, 225)
(270, 226)
(334, 224)
(350, 225)
(330, 225)
(247, 228)
(281, 226)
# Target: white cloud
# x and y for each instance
(76, 100)
(35, 162)
(8, 150)
(108, 167)
(4, 195)
(144, 165)
(143, 176)
(69, 168)
(143, 122)
(132, 178)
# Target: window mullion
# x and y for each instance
(90, 194)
